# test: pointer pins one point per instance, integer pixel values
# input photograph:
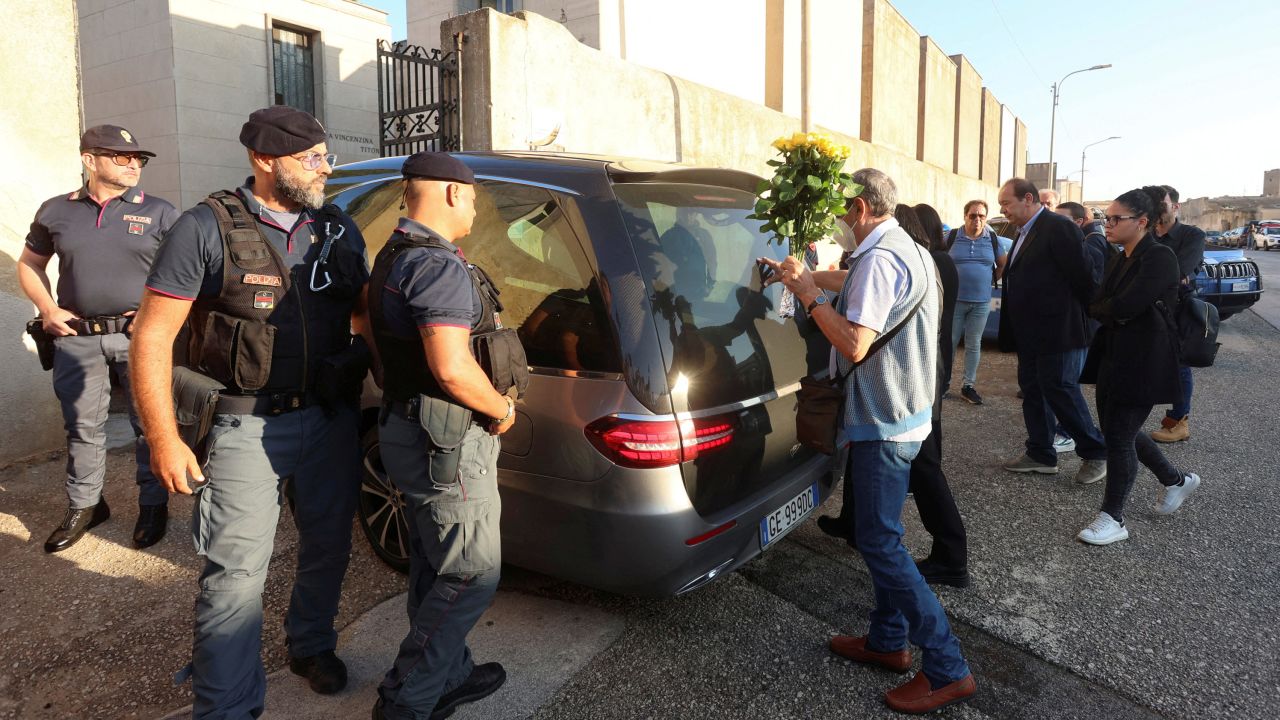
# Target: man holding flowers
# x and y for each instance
(888, 291)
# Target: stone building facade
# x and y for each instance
(184, 74)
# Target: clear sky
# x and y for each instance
(395, 10)
(1194, 91)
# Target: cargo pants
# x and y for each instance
(82, 368)
(256, 463)
(455, 558)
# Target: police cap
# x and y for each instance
(437, 166)
(281, 130)
(111, 137)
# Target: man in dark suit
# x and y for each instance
(1047, 286)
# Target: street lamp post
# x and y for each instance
(1082, 152)
(1053, 118)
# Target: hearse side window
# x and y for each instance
(522, 238)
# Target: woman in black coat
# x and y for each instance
(1134, 360)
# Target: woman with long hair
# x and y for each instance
(1134, 360)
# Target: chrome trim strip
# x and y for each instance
(722, 409)
(585, 374)
(532, 183)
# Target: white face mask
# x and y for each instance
(844, 237)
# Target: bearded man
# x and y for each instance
(270, 283)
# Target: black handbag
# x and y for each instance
(819, 401)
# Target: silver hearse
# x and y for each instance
(655, 448)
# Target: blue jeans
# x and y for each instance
(1050, 384)
(969, 322)
(906, 609)
(1179, 411)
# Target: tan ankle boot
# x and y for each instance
(1174, 432)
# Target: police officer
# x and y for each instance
(105, 235)
(442, 414)
(272, 281)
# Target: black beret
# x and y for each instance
(437, 166)
(281, 130)
(111, 137)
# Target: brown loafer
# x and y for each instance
(915, 697)
(855, 649)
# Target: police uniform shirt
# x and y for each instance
(104, 251)
(189, 264)
(428, 287)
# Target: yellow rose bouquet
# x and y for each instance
(807, 193)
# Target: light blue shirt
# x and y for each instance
(1022, 233)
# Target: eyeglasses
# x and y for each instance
(1115, 219)
(313, 161)
(975, 216)
(123, 159)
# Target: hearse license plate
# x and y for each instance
(1239, 287)
(777, 523)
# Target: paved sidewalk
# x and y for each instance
(541, 642)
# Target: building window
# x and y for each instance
(294, 63)
(502, 6)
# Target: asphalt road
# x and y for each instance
(1177, 622)
(1269, 265)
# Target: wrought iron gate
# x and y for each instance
(417, 99)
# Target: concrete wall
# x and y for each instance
(184, 74)
(890, 71)
(968, 140)
(990, 164)
(647, 114)
(1007, 138)
(40, 71)
(936, 129)
(1019, 148)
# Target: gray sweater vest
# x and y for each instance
(892, 391)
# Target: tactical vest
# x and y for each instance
(267, 330)
(404, 364)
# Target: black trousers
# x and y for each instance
(1128, 445)
(937, 506)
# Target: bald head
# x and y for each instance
(445, 206)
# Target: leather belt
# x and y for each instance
(100, 325)
(269, 404)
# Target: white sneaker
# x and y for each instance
(1063, 444)
(1172, 496)
(1104, 530)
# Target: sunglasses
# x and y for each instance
(123, 159)
(975, 216)
(313, 161)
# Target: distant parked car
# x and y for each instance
(1267, 236)
(1229, 281)
(1213, 237)
(656, 447)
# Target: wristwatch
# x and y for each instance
(511, 409)
(820, 300)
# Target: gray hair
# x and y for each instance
(878, 191)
